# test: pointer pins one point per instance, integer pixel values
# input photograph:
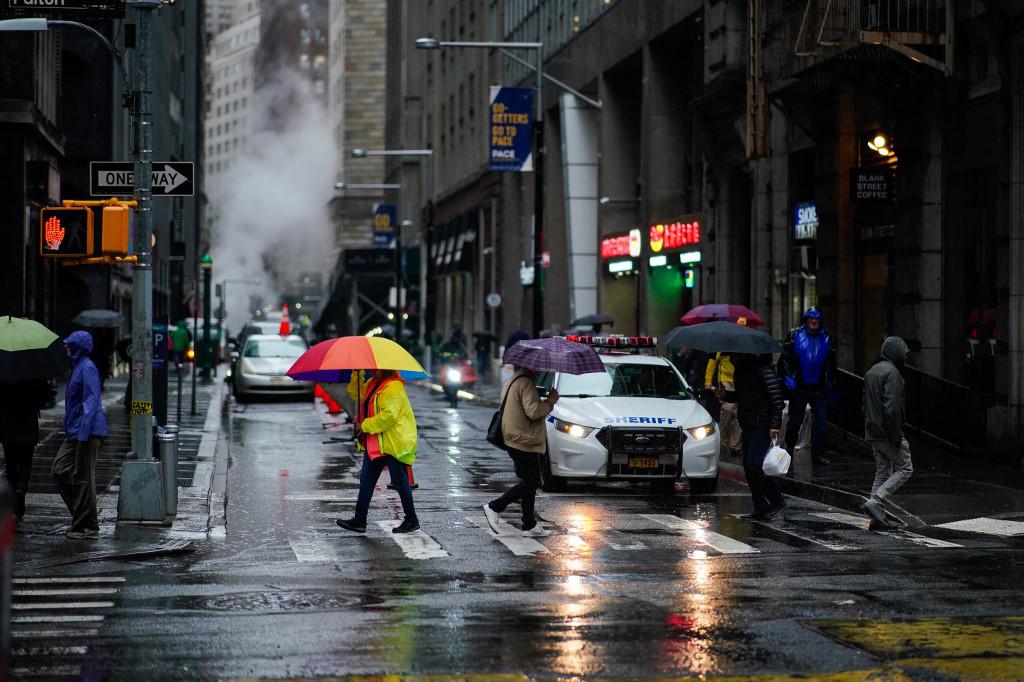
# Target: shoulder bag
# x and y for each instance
(494, 435)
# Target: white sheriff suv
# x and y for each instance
(638, 421)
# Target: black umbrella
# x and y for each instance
(486, 335)
(724, 337)
(592, 320)
(97, 318)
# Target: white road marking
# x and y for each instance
(69, 580)
(617, 540)
(788, 530)
(324, 497)
(415, 545)
(81, 591)
(862, 522)
(46, 634)
(57, 619)
(50, 671)
(50, 651)
(989, 526)
(520, 545)
(695, 531)
(45, 606)
(314, 551)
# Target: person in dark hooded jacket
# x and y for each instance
(884, 407)
(20, 402)
(759, 410)
(85, 425)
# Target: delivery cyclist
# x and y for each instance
(386, 430)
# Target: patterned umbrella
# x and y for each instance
(332, 361)
(28, 350)
(554, 355)
(726, 312)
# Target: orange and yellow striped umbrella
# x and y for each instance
(334, 360)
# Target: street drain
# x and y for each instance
(281, 601)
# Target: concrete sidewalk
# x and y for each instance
(40, 537)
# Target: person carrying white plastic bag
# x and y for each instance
(759, 403)
(777, 461)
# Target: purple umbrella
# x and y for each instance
(554, 355)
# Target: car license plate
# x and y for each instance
(643, 462)
(277, 380)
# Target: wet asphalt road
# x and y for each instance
(629, 584)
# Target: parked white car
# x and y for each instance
(263, 365)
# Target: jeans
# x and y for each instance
(525, 492)
(819, 427)
(371, 471)
(893, 467)
(763, 490)
(74, 471)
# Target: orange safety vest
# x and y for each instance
(368, 408)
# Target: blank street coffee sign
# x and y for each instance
(64, 9)
(872, 185)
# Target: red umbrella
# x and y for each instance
(725, 312)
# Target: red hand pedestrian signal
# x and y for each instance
(66, 232)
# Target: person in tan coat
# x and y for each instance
(522, 426)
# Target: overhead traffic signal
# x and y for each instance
(66, 232)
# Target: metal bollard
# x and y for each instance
(168, 448)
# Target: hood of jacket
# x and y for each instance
(80, 343)
(895, 350)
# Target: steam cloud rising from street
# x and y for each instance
(271, 205)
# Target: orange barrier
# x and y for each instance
(332, 405)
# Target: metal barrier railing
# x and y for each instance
(942, 409)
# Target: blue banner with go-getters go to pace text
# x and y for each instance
(511, 129)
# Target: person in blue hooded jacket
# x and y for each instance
(85, 426)
(807, 369)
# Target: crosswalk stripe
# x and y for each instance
(50, 651)
(46, 606)
(415, 545)
(71, 592)
(46, 634)
(57, 619)
(48, 671)
(518, 544)
(786, 529)
(988, 526)
(862, 522)
(616, 539)
(313, 551)
(695, 531)
(69, 580)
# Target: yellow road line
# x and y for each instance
(931, 637)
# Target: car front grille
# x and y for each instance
(630, 446)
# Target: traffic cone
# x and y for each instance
(286, 325)
(332, 406)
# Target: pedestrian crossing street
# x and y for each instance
(54, 618)
(595, 527)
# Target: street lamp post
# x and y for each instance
(538, 151)
(398, 243)
(420, 153)
(206, 355)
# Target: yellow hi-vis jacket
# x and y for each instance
(723, 363)
(389, 422)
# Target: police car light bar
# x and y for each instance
(616, 341)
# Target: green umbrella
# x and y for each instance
(28, 350)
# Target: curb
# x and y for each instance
(217, 496)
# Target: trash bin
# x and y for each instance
(168, 448)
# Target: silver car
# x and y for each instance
(262, 367)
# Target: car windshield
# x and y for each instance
(274, 348)
(622, 380)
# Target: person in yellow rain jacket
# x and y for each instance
(386, 428)
(719, 376)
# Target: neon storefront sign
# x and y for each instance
(671, 236)
(622, 246)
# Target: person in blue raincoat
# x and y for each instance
(85, 427)
(807, 370)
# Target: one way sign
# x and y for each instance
(117, 178)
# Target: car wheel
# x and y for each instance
(551, 483)
(703, 486)
(663, 486)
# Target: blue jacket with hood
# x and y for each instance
(83, 409)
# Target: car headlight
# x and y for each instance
(454, 376)
(574, 430)
(701, 432)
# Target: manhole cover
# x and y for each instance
(281, 601)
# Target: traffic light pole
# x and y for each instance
(142, 285)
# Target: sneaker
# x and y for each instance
(492, 518)
(92, 533)
(873, 508)
(81, 535)
(537, 531)
(407, 526)
(756, 515)
(774, 511)
(353, 525)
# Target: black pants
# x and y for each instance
(74, 470)
(18, 470)
(756, 442)
(525, 492)
(368, 477)
(819, 426)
